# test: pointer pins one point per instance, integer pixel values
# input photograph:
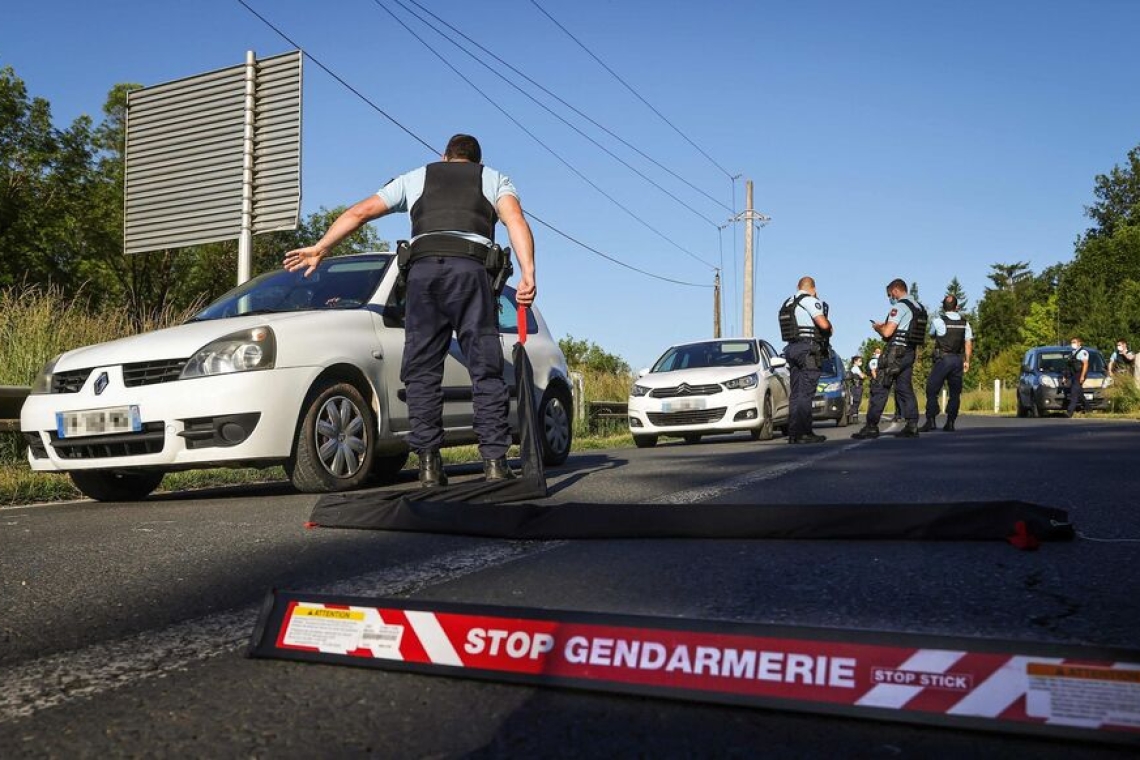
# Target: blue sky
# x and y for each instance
(884, 139)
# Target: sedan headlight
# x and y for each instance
(743, 383)
(43, 380)
(639, 390)
(1049, 381)
(240, 352)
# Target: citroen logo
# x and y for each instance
(683, 389)
(101, 383)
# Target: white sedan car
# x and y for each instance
(709, 387)
(283, 369)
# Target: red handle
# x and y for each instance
(522, 325)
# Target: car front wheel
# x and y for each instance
(765, 431)
(557, 425)
(645, 441)
(105, 485)
(334, 440)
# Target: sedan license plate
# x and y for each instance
(117, 419)
(1088, 397)
(683, 405)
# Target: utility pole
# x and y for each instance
(751, 217)
(716, 305)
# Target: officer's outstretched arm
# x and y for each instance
(522, 242)
(372, 207)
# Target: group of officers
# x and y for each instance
(805, 326)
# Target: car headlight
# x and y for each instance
(743, 383)
(639, 390)
(240, 352)
(829, 387)
(43, 380)
(1107, 382)
(1049, 381)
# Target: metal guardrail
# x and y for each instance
(11, 399)
(611, 412)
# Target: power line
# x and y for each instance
(552, 112)
(434, 151)
(585, 116)
(630, 88)
(535, 137)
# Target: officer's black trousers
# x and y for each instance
(803, 384)
(445, 295)
(856, 398)
(897, 371)
(1076, 394)
(948, 370)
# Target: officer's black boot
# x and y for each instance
(867, 432)
(909, 431)
(949, 426)
(497, 469)
(931, 425)
(431, 469)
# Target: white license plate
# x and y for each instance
(117, 419)
(1088, 397)
(683, 405)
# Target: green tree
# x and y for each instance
(955, 289)
(1039, 328)
(586, 355)
(1117, 198)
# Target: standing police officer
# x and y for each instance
(904, 330)
(1123, 360)
(805, 327)
(953, 346)
(453, 204)
(857, 379)
(1078, 371)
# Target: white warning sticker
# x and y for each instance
(324, 628)
(1083, 694)
(382, 637)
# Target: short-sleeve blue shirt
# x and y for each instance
(938, 326)
(809, 308)
(401, 193)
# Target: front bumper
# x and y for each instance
(724, 412)
(225, 419)
(828, 406)
(1057, 399)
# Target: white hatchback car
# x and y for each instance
(709, 387)
(303, 372)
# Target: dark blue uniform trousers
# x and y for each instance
(804, 382)
(1076, 394)
(445, 295)
(948, 370)
(895, 371)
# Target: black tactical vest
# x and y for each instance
(453, 201)
(916, 333)
(789, 329)
(954, 341)
(1075, 364)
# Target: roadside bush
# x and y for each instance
(1123, 396)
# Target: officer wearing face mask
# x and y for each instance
(857, 380)
(904, 330)
(1122, 361)
(1078, 372)
(953, 346)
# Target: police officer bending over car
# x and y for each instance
(805, 327)
(904, 330)
(953, 346)
(453, 204)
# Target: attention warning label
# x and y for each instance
(1084, 695)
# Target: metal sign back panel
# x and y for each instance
(184, 156)
(1018, 687)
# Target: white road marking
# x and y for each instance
(69, 676)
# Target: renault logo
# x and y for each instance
(101, 383)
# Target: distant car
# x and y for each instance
(711, 387)
(303, 372)
(833, 393)
(1043, 385)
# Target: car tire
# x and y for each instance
(842, 419)
(765, 431)
(107, 485)
(1022, 411)
(333, 450)
(692, 437)
(645, 441)
(556, 421)
(386, 468)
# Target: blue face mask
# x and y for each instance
(893, 300)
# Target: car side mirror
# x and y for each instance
(777, 361)
(643, 372)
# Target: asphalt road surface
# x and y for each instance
(123, 626)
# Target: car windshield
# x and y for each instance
(726, 353)
(338, 283)
(1058, 361)
(830, 367)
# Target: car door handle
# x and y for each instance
(378, 354)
